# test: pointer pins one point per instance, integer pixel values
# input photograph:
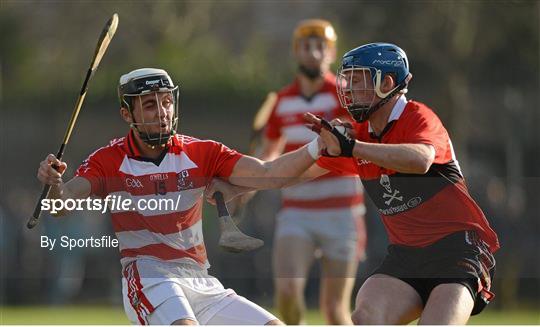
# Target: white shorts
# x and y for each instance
(157, 292)
(339, 233)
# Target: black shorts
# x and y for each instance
(460, 257)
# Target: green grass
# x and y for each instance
(69, 315)
(515, 317)
(97, 315)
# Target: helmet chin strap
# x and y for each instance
(310, 73)
(362, 113)
(153, 140)
(156, 139)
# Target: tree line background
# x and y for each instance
(476, 63)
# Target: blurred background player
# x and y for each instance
(320, 218)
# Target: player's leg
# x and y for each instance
(150, 298)
(448, 304)
(173, 311)
(386, 300)
(342, 238)
(292, 257)
(462, 286)
(337, 283)
(241, 311)
(182, 322)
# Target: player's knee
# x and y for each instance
(366, 314)
(289, 288)
(184, 322)
(335, 312)
(275, 322)
(336, 317)
(360, 316)
(356, 318)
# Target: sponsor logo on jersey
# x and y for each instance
(391, 195)
(395, 195)
(159, 177)
(133, 183)
(414, 202)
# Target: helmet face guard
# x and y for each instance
(167, 122)
(356, 91)
(148, 81)
(360, 76)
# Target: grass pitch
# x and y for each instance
(104, 315)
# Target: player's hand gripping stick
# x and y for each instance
(232, 239)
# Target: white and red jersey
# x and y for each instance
(333, 190)
(181, 174)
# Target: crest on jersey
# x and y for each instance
(391, 195)
(184, 182)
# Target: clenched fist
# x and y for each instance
(50, 170)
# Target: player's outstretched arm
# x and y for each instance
(404, 158)
(50, 172)
(288, 169)
(231, 191)
(269, 149)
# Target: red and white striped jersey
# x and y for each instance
(333, 190)
(172, 233)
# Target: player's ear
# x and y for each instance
(389, 82)
(126, 115)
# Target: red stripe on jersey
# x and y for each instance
(318, 104)
(336, 202)
(107, 174)
(164, 224)
(153, 184)
(165, 252)
(297, 119)
(289, 147)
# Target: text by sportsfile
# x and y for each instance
(113, 202)
(105, 241)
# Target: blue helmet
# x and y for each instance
(379, 59)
